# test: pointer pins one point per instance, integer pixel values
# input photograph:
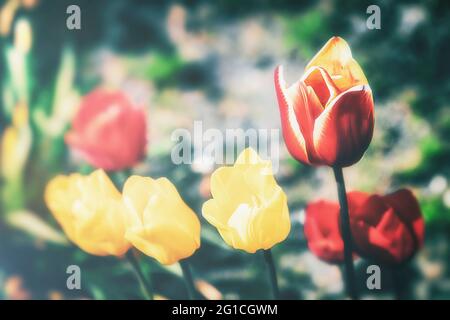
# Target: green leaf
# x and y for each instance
(35, 226)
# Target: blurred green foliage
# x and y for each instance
(307, 32)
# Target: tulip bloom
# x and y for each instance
(108, 131)
(327, 116)
(161, 224)
(90, 211)
(248, 208)
(322, 231)
(388, 229)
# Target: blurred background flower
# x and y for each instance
(322, 231)
(108, 132)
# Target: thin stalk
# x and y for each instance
(346, 235)
(397, 285)
(272, 273)
(146, 286)
(188, 279)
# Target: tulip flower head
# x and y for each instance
(387, 229)
(322, 231)
(161, 224)
(248, 208)
(90, 211)
(108, 131)
(327, 116)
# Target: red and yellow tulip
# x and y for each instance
(327, 116)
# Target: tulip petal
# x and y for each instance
(322, 231)
(299, 107)
(407, 208)
(213, 213)
(259, 180)
(322, 84)
(356, 199)
(90, 211)
(103, 234)
(223, 189)
(136, 194)
(295, 142)
(163, 242)
(370, 210)
(240, 226)
(390, 241)
(249, 178)
(336, 58)
(344, 130)
(166, 228)
(60, 195)
(275, 216)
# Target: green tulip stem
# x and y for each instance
(272, 273)
(146, 286)
(188, 279)
(397, 285)
(349, 269)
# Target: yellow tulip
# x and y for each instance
(248, 208)
(15, 144)
(161, 224)
(90, 211)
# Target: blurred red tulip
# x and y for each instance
(108, 131)
(322, 231)
(388, 229)
(327, 115)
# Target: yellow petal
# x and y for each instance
(241, 225)
(215, 214)
(60, 195)
(164, 243)
(336, 58)
(222, 181)
(166, 228)
(136, 193)
(274, 216)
